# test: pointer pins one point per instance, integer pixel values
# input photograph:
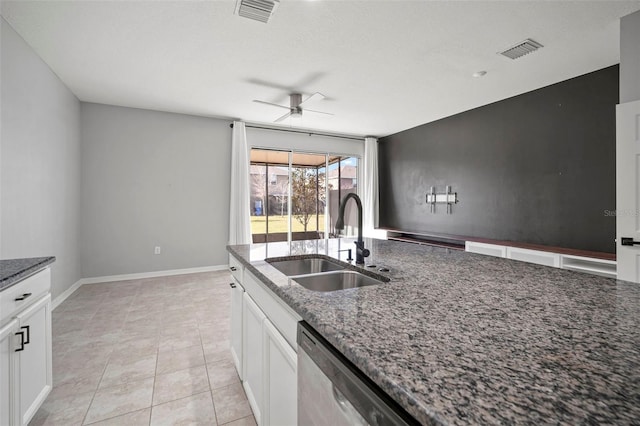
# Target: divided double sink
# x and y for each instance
(320, 274)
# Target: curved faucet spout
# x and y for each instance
(361, 252)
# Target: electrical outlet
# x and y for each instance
(157, 250)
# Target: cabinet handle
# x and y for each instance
(232, 285)
(233, 269)
(24, 296)
(627, 241)
(21, 348)
(26, 341)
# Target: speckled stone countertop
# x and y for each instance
(461, 338)
(12, 271)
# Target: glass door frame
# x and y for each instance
(290, 165)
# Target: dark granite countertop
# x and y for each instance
(462, 338)
(12, 271)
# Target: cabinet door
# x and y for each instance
(34, 362)
(8, 386)
(236, 326)
(280, 406)
(252, 318)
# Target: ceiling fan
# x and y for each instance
(295, 105)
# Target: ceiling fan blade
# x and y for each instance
(316, 96)
(283, 117)
(269, 84)
(269, 103)
(317, 112)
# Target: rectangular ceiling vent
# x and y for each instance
(521, 49)
(258, 10)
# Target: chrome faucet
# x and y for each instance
(361, 252)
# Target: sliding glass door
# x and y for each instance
(295, 195)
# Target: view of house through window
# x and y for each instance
(296, 195)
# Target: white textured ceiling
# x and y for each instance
(385, 66)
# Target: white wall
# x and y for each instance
(630, 58)
(100, 186)
(152, 179)
(39, 162)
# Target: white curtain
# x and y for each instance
(239, 213)
(370, 194)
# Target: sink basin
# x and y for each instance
(305, 266)
(338, 280)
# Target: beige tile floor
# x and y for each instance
(145, 352)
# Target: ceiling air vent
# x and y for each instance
(258, 10)
(521, 49)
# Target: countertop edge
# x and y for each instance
(370, 371)
(34, 265)
(470, 339)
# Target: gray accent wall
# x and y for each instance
(536, 168)
(152, 179)
(630, 58)
(39, 162)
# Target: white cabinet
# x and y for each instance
(237, 293)
(280, 384)
(25, 349)
(236, 268)
(284, 319)
(545, 258)
(488, 249)
(252, 353)
(602, 267)
(8, 383)
(263, 347)
(34, 361)
(605, 268)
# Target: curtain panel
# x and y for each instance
(370, 193)
(239, 213)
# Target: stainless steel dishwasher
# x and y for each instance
(332, 391)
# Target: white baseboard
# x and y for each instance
(68, 292)
(125, 277)
(142, 275)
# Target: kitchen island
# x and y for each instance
(461, 338)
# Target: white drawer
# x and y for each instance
(279, 313)
(236, 268)
(488, 249)
(534, 256)
(27, 291)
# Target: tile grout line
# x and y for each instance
(153, 388)
(206, 368)
(235, 420)
(104, 369)
(102, 300)
(103, 372)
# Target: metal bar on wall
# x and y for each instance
(304, 132)
(289, 200)
(266, 201)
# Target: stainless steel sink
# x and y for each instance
(337, 280)
(305, 266)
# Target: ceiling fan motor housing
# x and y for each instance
(295, 105)
(295, 99)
